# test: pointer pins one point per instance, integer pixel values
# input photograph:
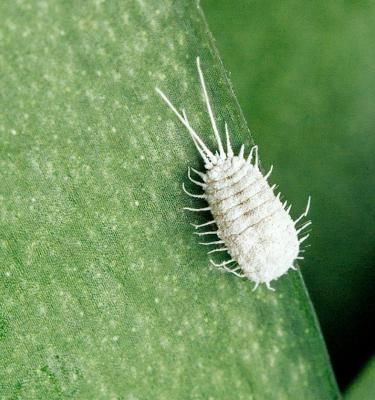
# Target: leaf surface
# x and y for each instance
(104, 291)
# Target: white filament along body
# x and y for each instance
(253, 226)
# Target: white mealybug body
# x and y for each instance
(253, 225)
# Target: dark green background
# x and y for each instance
(305, 78)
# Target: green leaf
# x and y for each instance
(105, 293)
(363, 387)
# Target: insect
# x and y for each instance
(252, 224)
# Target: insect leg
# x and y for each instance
(197, 140)
(232, 271)
(223, 266)
(269, 286)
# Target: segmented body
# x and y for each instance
(253, 226)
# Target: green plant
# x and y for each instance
(104, 291)
(363, 387)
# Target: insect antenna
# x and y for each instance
(204, 151)
(210, 113)
(200, 150)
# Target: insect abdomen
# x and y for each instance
(251, 220)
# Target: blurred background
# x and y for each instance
(304, 75)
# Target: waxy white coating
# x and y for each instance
(257, 230)
(253, 226)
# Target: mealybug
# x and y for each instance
(253, 226)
